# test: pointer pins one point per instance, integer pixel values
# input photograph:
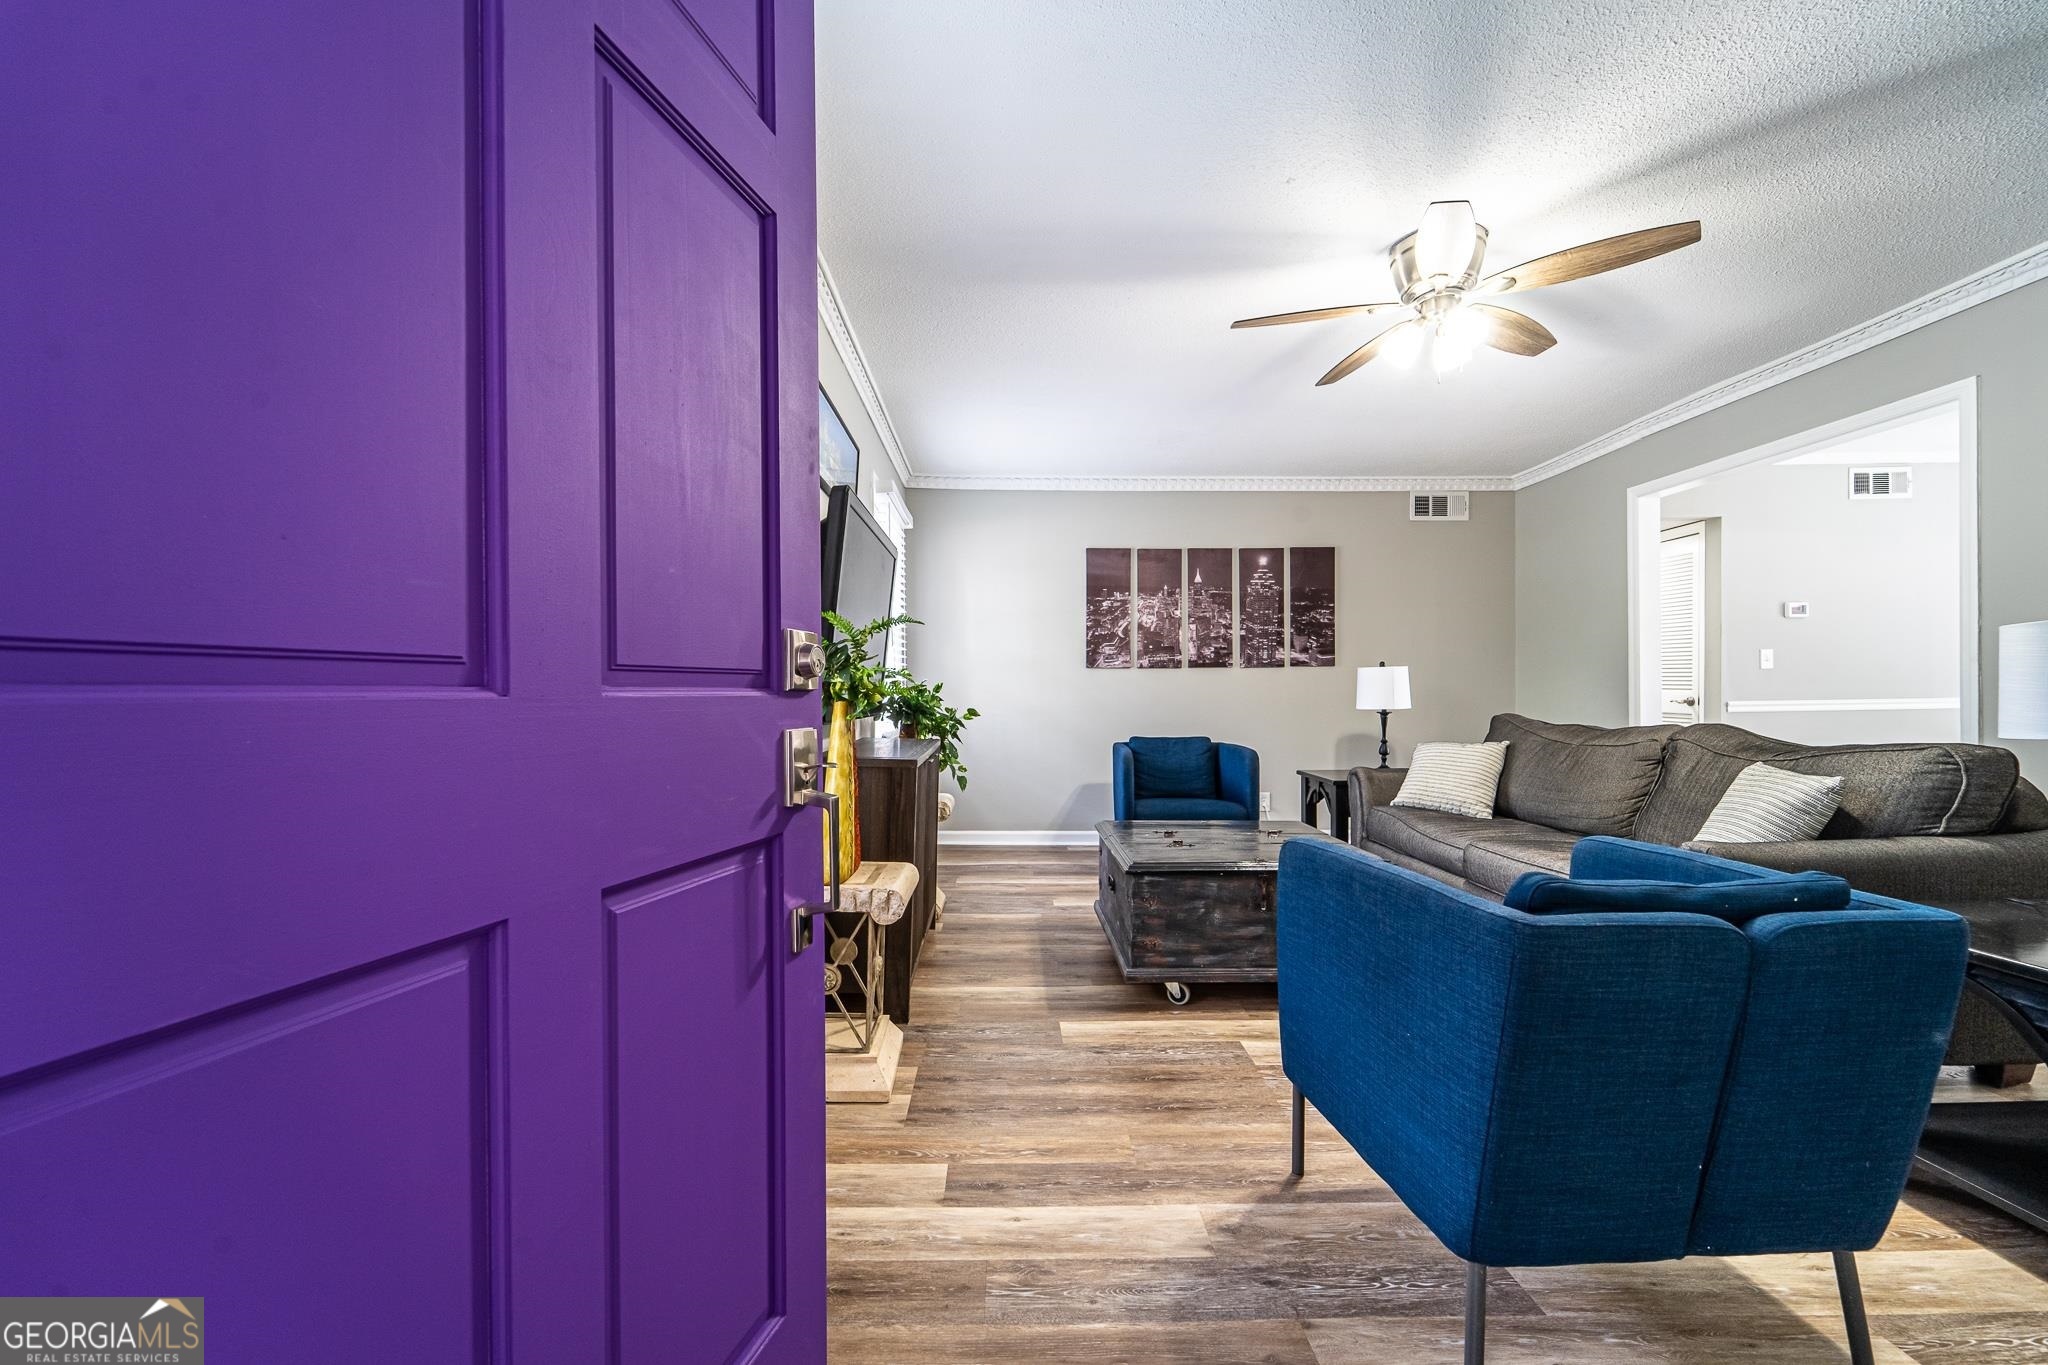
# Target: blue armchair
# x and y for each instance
(1184, 778)
(1624, 1084)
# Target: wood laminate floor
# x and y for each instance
(1073, 1171)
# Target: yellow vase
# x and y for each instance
(843, 779)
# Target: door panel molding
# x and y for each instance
(668, 521)
(213, 444)
(409, 1048)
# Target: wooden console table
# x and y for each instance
(899, 821)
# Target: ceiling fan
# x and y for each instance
(1436, 273)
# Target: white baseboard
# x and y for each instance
(1019, 838)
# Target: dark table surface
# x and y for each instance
(897, 750)
(1201, 845)
(2009, 936)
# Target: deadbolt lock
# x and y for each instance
(803, 660)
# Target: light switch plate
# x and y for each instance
(1797, 611)
(1767, 658)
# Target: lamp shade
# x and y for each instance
(2022, 680)
(1383, 688)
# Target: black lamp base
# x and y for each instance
(1384, 750)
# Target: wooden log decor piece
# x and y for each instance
(880, 890)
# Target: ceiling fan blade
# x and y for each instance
(1316, 314)
(1515, 333)
(1364, 353)
(1592, 258)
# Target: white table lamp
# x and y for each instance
(2022, 680)
(1383, 689)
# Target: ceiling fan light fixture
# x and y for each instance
(1436, 276)
(1447, 244)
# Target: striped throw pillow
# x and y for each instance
(1766, 805)
(1458, 778)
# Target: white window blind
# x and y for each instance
(1682, 624)
(895, 519)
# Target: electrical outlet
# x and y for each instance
(1767, 658)
(1265, 803)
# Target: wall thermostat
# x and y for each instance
(1796, 610)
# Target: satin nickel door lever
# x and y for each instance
(803, 784)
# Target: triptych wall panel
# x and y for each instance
(1180, 609)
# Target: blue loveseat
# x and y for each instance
(1189, 777)
(1560, 1088)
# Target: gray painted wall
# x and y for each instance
(1571, 625)
(1792, 533)
(997, 577)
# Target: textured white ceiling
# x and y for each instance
(1042, 214)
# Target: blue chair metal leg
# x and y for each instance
(1852, 1308)
(1299, 1117)
(1475, 1314)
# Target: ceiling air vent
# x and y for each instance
(1880, 483)
(1439, 506)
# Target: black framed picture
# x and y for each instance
(838, 456)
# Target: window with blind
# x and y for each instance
(895, 520)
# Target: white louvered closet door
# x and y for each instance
(1682, 624)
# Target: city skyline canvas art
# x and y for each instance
(1158, 608)
(1261, 609)
(1312, 607)
(1108, 611)
(1212, 609)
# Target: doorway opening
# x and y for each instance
(1820, 589)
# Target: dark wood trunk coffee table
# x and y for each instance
(1998, 1149)
(1193, 901)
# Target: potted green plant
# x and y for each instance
(920, 711)
(853, 673)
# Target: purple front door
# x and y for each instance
(407, 470)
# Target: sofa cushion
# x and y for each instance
(1437, 837)
(1458, 778)
(1766, 805)
(1494, 861)
(1183, 766)
(2027, 811)
(1887, 789)
(1540, 893)
(1186, 808)
(1578, 777)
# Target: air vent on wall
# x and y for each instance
(1439, 506)
(1880, 483)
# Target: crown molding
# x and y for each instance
(2015, 272)
(840, 329)
(1216, 483)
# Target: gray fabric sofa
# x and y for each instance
(1940, 824)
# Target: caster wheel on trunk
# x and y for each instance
(1178, 994)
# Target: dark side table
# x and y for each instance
(1331, 787)
(1998, 1149)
